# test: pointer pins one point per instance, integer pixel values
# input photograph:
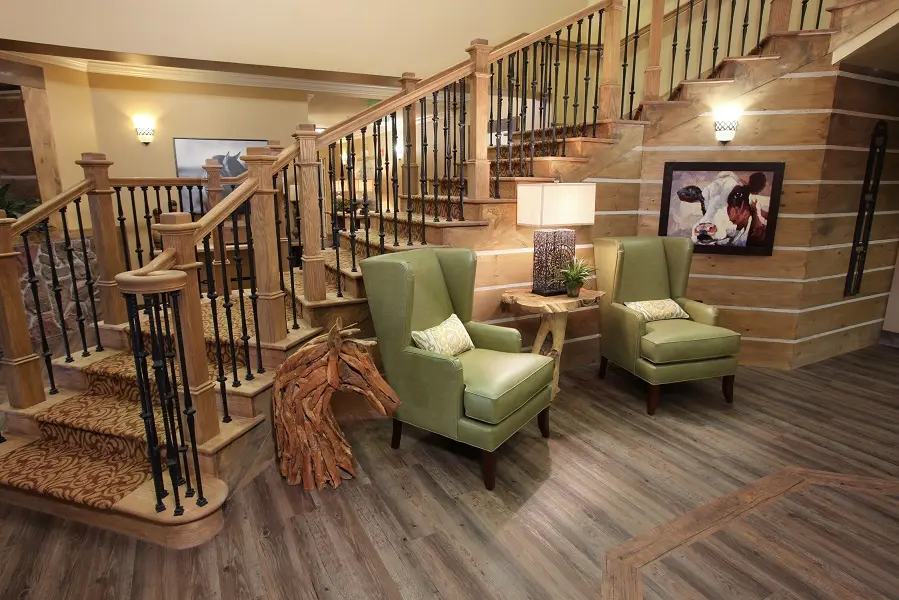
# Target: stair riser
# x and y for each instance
(352, 286)
(361, 254)
(471, 211)
(355, 313)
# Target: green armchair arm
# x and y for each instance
(491, 337)
(622, 329)
(430, 388)
(699, 312)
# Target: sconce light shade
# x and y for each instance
(727, 120)
(145, 127)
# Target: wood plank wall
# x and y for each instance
(789, 306)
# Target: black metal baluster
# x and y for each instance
(227, 304)
(490, 95)
(534, 109)
(689, 39)
(395, 176)
(88, 276)
(510, 112)
(57, 289)
(175, 409)
(254, 297)
(447, 157)
(290, 265)
(173, 207)
(543, 96)
(523, 115)
(499, 117)
(39, 315)
(143, 389)
(122, 229)
(351, 184)
(436, 182)
(596, 79)
(704, 22)
(423, 174)
(818, 17)
(148, 221)
(463, 184)
(555, 90)
(379, 196)
(137, 245)
(343, 205)
(730, 32)
(277, 233)
(758, 37)
(296, 260)
(366, 215)
(189, 410)
(193, 218)
(630, 110)
(238, 267)
(455, 140)
(587, 70)
(212, 295)
(319, 172)
(335, 231)
(70, 256)
(165, 398)
(566, 96)
(577, 73)
(624, 64)
(407, 123)
(717, 30)
(745, 29)
(673, 46)
(158, 212)
(386, 142)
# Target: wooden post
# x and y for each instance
(110, 254)
(409, 82)
(652, 75)
(478, 173)
(779, 16)
(271, 307)
(179, 234)
(21, 367)
(214, 194)
(610, 78)
(314, 286)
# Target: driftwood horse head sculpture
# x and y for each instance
(311, 446)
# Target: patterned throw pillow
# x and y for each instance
(450, 338)
(658, 310)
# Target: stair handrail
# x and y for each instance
(45, 209)
(151, 181)
(539, 35)
(221, 211)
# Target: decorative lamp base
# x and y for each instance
(553, 250)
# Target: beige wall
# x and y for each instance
(72, 120)
(891, 322)
(184, 110)
(384, 37)
(326, 110)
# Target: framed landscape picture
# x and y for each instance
(191, 154)
(724, 207)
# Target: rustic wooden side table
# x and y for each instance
(553, 312)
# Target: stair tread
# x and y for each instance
(102, 413)
(403, 217)
(67, 472)
(374, 242)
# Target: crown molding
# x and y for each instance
(356, 90)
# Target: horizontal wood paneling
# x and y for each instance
(14, 135)
(838, 343)
(746, 292)
(850, 164)
(846, 198)
(580, 353)
(783, 264)
(508, 269)
(488, 303)
(12, 107)
(855, 130)
(754, 130)
(840, 316)
(835, 261)
(773, 355)
(800, 164)
(617, 196)
(615, 225)
(866, 96)
(751, 323)
(827, 291)
(825, 231)
(17, 162)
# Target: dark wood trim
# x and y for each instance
(727, 386)
(21, 75)
(603, 366)
(543, 422)
(397, 434)
(652, 399)
(488, 468)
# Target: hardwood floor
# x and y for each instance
(418, 522)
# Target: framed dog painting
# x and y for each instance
(724, 207)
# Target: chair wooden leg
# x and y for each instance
(397, 434)
(488, 468)
(652, 400)
(543, 422)
(603, 365)
(727, 386)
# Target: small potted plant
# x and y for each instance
(575, 275)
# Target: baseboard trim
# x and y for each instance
(889, 338)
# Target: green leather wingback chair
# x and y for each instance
(653, 268)
(480, 397)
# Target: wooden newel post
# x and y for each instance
(314, 283)
(410, 159)
(271, 307)
(652, 75)
(779, 16)
(110, 254)
(179, 233)
(610, 68)
(21, 367)
(478, 173)
(214, 194)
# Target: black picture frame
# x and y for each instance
(758, 241)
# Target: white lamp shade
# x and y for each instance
(556, 204)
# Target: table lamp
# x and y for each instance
(553, 205)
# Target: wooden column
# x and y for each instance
(110, 254)
(21, 367)
(478, 172)
(214, 194)
(271, 307)
(610, 78)
(779, 16)
(314, 285)
(179, 234)
(410, 163)
(652, 75)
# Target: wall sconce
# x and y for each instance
(727, 119)
(145, 127)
